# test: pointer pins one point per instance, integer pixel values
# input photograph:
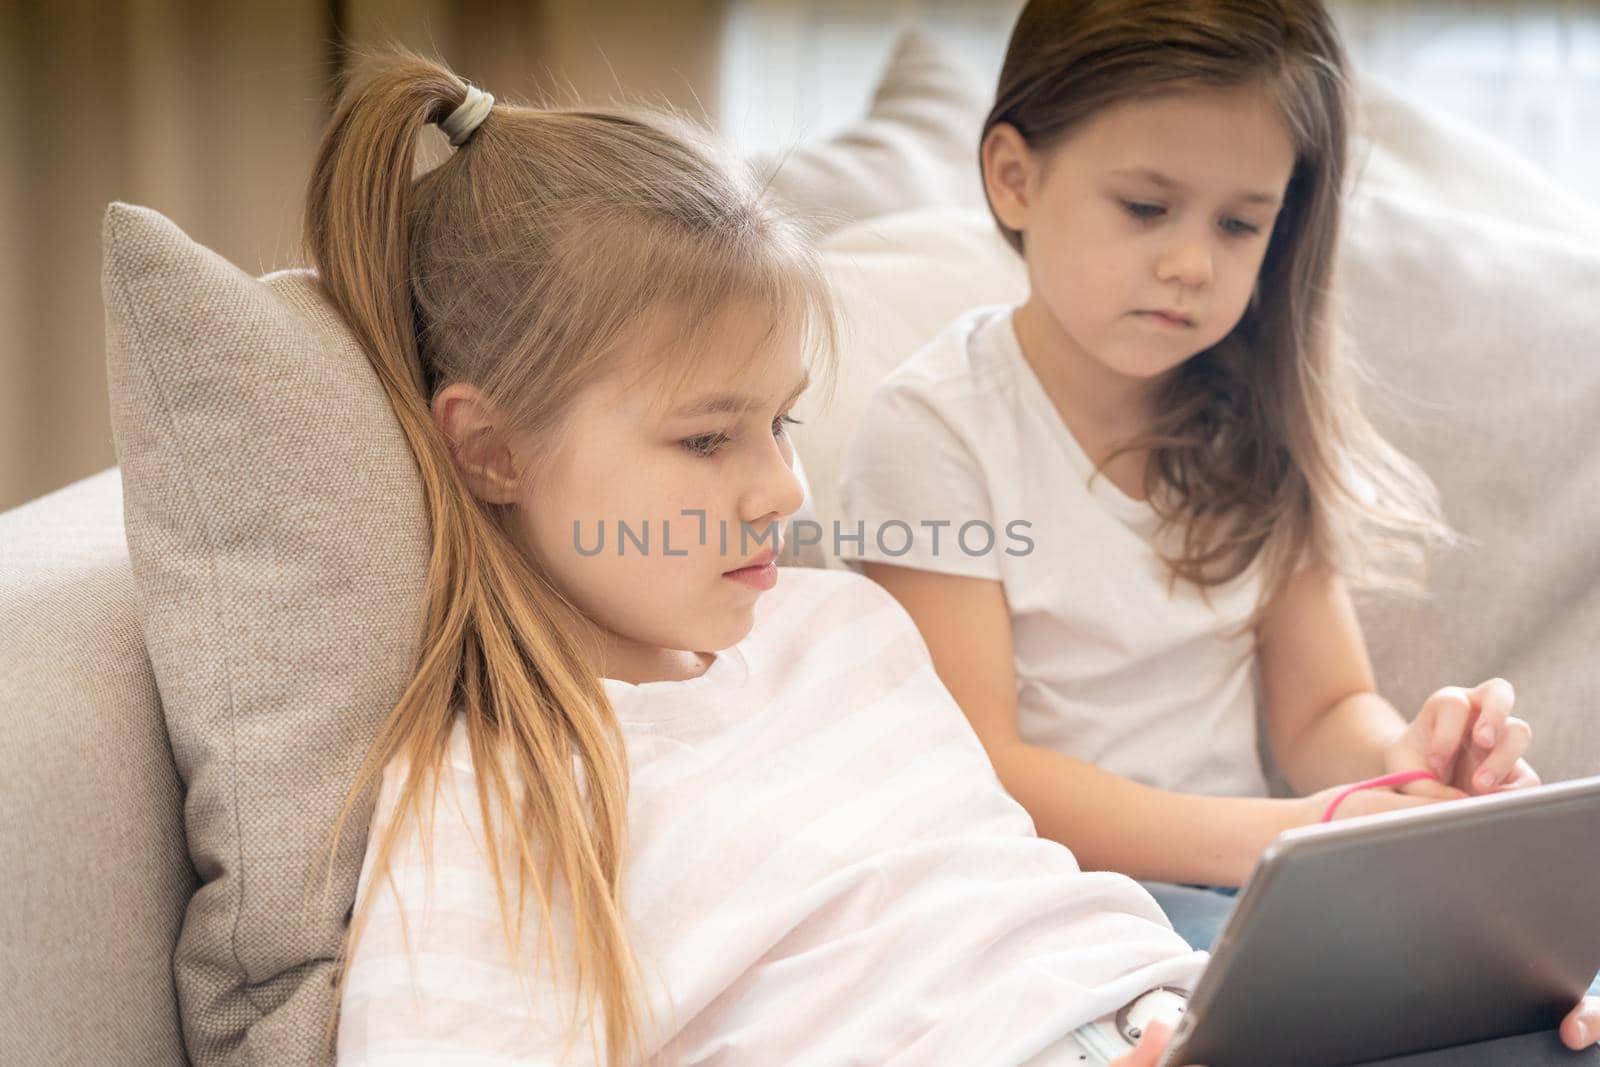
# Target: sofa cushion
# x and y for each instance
(1482, 333)
(97, 876)
(278, 541)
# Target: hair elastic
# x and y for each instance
(1399, 778)
(459, 124)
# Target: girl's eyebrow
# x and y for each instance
(736, 403)
(1155, 177)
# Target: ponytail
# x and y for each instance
(499, 643)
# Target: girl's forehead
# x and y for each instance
(1202, 131)
(760, 381)
(737, 360)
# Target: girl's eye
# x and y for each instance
(1239, 227)
(707, 444)
(1141, 210)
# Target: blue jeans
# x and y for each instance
(1197, 912)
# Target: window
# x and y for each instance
(1525, 71)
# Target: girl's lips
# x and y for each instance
(1166, 317)
(760, 573)
(766, 556)
(759, 576)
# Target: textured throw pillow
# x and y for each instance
(278, 541)
(917, 146)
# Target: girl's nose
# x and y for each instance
(1188, 262)
(775, 491)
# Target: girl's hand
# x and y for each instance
(1362, 802)
(1469, 739)
(1147, 1053)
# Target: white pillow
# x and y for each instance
(916, 147)
(1436, 158)
(896, 282)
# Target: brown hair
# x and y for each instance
(519, 265)
(1259, 447)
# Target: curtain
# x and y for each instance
(210, 113)
(139, 100)
(1524, 71)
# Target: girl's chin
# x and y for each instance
(731, 628)
(1146, 371)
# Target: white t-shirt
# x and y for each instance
(1114, 666)
(823, 869)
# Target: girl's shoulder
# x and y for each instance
(842, 592)
(948, 398)
(810, 603)
(970, 354)
(819, 628)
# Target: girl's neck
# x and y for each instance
(1101, 408)
(1088, 393)
(637, 664)
(624, 660)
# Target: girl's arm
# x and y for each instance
(1325, 722)
(1109, 822)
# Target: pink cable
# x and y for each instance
(1399, 778)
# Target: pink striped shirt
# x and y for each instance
(823, 869)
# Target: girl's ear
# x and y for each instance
(1008, 166)
(479, 444)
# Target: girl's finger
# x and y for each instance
(1522, 776)
(1498, 764)
(1424, 787)
(1494, 700)
(1448, 709)
(1581, 1027)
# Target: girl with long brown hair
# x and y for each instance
(1169, 428)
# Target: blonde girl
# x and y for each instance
(646, 799)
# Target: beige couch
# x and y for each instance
(1470, 285)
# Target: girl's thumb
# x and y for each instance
(1423, 787)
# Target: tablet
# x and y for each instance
(1383, 935)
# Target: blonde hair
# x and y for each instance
(1259, 448)
(519, 265)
